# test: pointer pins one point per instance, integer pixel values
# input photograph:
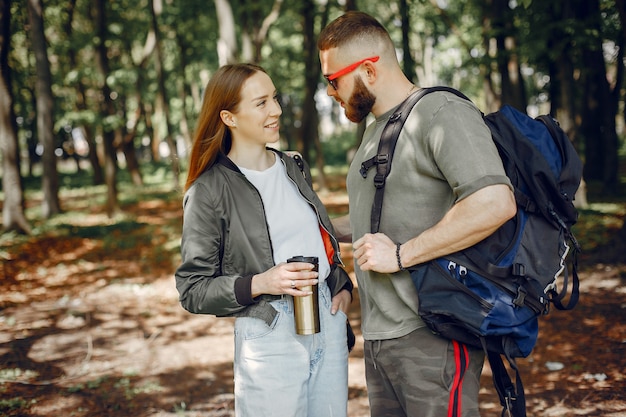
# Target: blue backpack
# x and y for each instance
(491, 294)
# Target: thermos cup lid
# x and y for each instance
(309, 259)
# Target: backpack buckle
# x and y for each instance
(395, 117)
(379, 181)
(366, 165)
(374, 160)
(382, 158)
(508, 406)
(520, 297)
(519, 270)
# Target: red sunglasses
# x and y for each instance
(332, 78)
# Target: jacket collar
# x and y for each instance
(224, 160)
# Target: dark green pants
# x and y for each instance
(422, 375)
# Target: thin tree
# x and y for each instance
(107, 108)
(182, 88)
(227, 42)
(80, 94)
(562, 70)
(408, 63)
(127, 143)
(360, 128)
(509, 69)
(599, 104)
(310, 118)
(156, 9)
(260, 32)
(45, 125)
(13, 218)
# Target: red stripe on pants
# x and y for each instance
(461, 359)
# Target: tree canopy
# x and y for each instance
(125, 78)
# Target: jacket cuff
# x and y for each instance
(243, 290)
(348, 286)
(336, 273)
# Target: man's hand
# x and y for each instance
(468, 222)
(376, 253)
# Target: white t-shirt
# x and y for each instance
(293, 224)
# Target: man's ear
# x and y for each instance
(370, 71)
(228, 118)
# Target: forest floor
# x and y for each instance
(90, 325)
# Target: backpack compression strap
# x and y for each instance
(512, 397)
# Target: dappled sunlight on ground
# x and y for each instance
(90, 325)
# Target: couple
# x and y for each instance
(248, 208)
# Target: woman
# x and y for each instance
(247, 209)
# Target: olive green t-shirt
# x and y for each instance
(444, 153)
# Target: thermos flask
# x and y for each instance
(306, 309)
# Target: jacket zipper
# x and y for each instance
(317, 214)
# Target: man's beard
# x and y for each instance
(360, 103)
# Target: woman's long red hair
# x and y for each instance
(212, 136)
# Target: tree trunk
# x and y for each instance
(96, 166)
(512, 83)
(227, 42)
(127, 143)
(183, 92)
(107, 108)
(492, 100)
(148, 110)
(408, 64)
(360, 127)
(81, 105)
(310, 117)
(162, 93)
(261, 33)
(45, 125)
(13, 218)
(562, 85)
(32, 140)
(598, 108)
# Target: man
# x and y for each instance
(446, 191)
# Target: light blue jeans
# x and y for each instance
(279, 373)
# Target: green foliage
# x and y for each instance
(337, 147)
(89, 385)
(102, 231)
(598, 223)
(123, 384)
(450, 42)
(81, 199)
(16, 403)
(189, 31)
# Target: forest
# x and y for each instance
(111, 85)
(98, 104)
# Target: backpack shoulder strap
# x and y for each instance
(297, 157)
(387, 145)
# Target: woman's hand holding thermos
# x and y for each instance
(286, 278)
